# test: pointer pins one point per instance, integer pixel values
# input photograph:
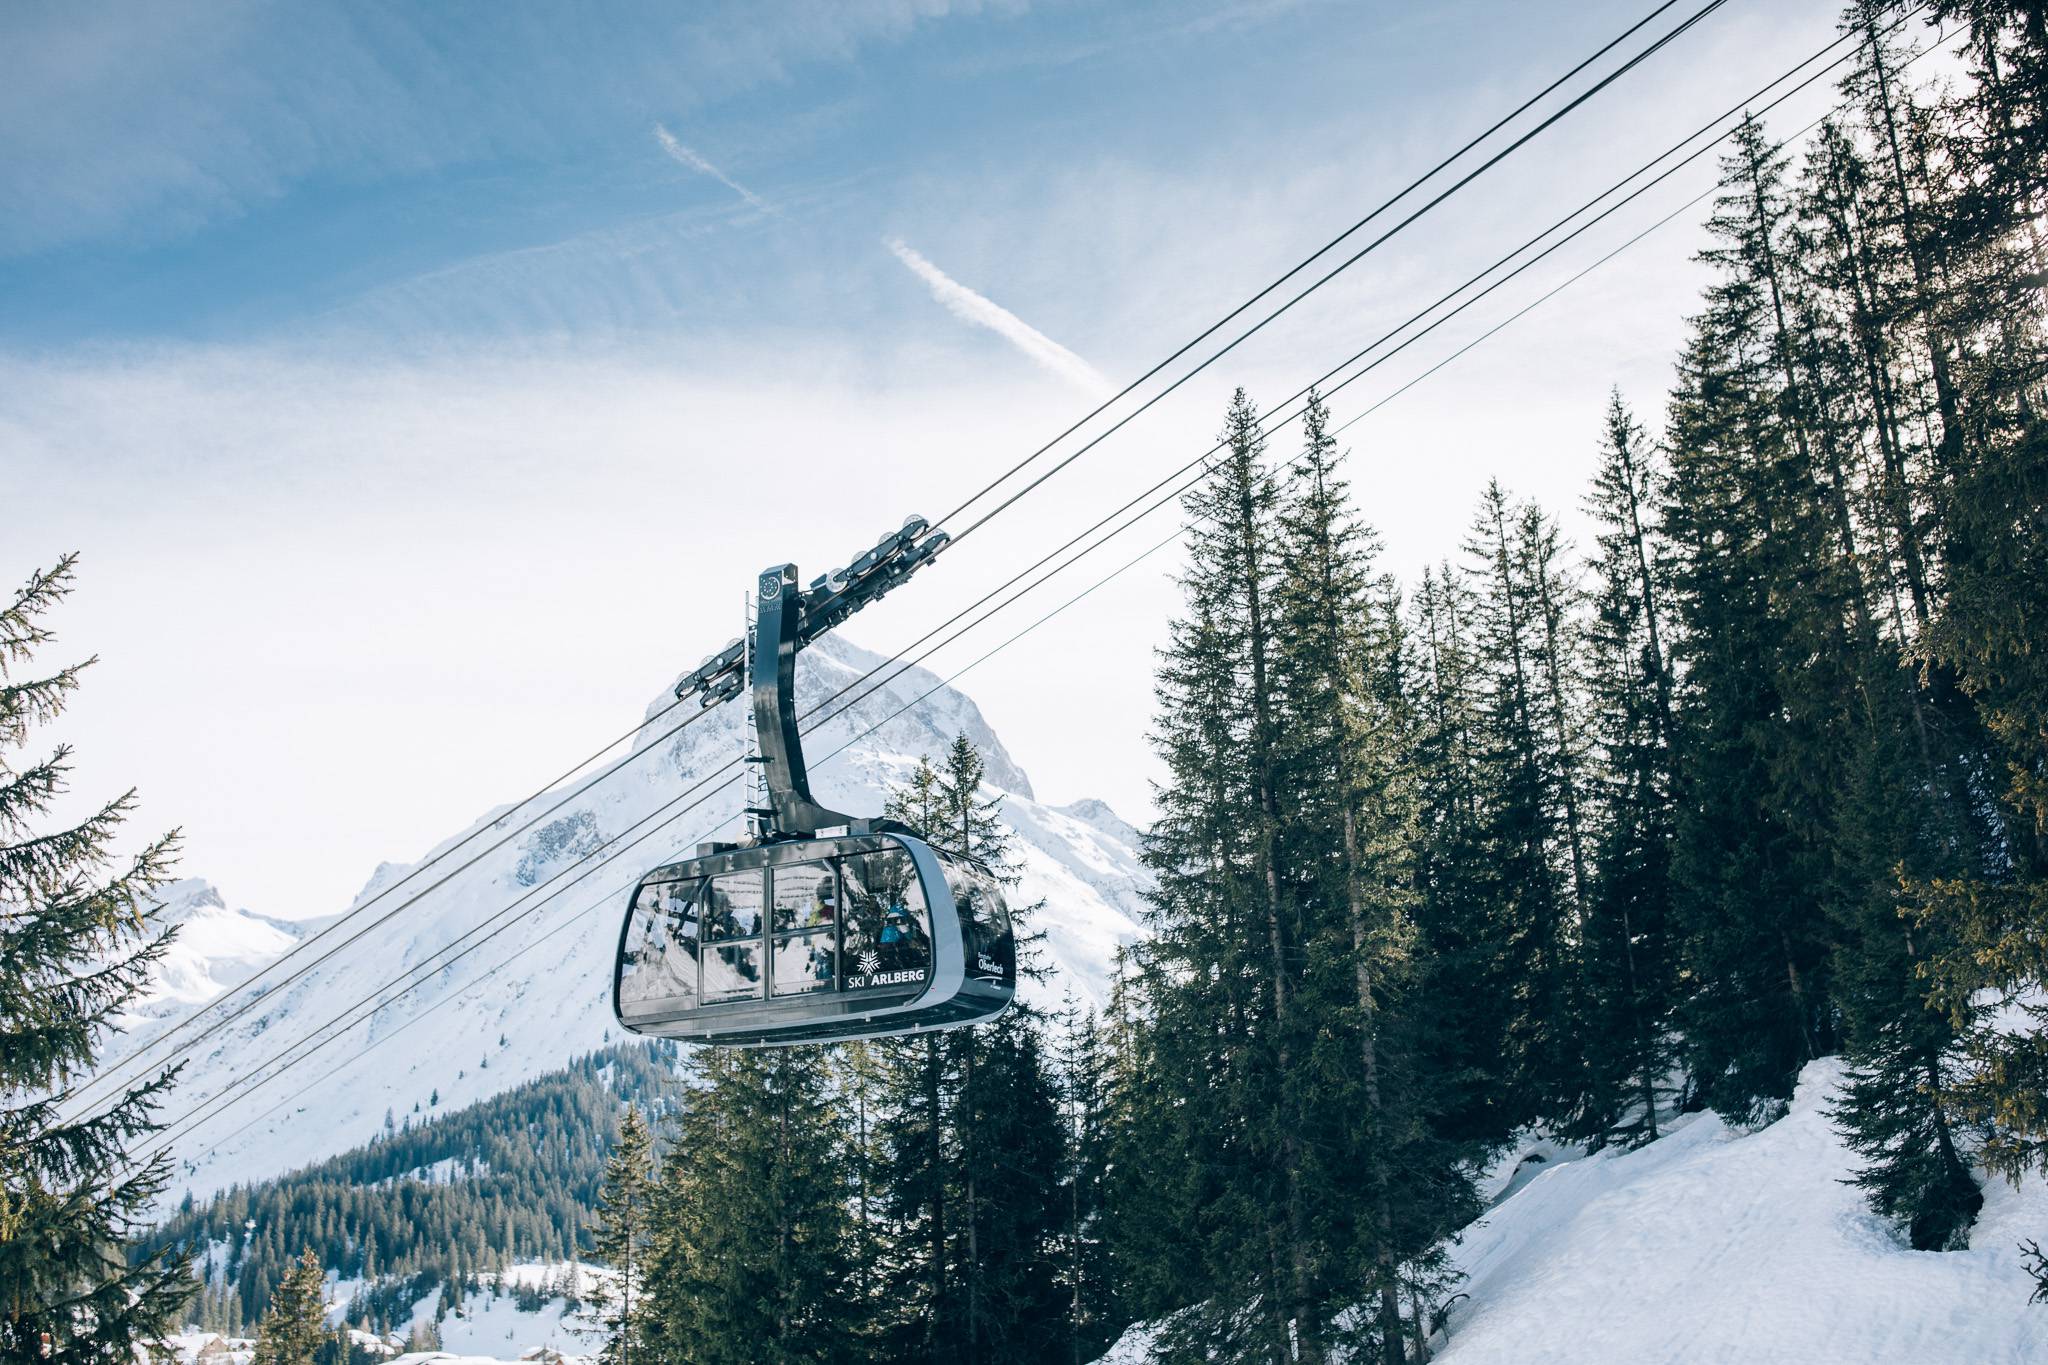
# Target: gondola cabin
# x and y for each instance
(799, 936)
(814, 940)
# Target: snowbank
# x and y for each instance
(1715, 1244)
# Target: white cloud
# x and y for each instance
(968, 306)
(696, 162)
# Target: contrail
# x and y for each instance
(968, 306)
(697, 163)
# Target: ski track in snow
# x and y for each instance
(554, 1003)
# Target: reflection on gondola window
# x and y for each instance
(732, 936)
(661, 966)
(732, 910)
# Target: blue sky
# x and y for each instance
(229, 172)
(423, 382)
(252, 169)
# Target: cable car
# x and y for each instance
(803, 934)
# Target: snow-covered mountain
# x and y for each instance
(216, 948)
(539, 993)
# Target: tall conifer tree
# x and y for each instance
(294, 1329)
(1627, 963)
(1466, 958)
(1220, 975)
(1386, 1180)
(752, 1262)
(1761, 713)
(1518, 778)
(1985, 301)
(77, 938)
(624, 1231)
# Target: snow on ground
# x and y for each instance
(490, 1327)
(1716, 1244)
(492, 1324)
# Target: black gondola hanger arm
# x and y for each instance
(787, 618)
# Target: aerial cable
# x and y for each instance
(1311, 258)
(1710, 190)
(1271, 422)
(114, 1067)
(1343, 265)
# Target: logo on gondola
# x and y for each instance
(771, 584)
(906, 977)
(870, 963)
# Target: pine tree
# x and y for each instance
(1985, 300)
(920, 801)
(1083, 1064)
(77, 939)
(751, 1262)
(1518, 777)
(916, 1185)
(1463, 953)
(862, 1081)
(1769, 698)
(1383, 1177)
(1156, 1172)
(966, 820)
(1627, 966)
(1220, 976)
(1011, 1155)
(624, 1230)
(294, 1328)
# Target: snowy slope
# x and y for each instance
(1714, 1244)
(467, 1033)
(491, 1327)
(215, 948)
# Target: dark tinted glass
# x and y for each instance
(732, 935)
(804, 962)
(888, 931)
(991, 950)
(806, 896)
